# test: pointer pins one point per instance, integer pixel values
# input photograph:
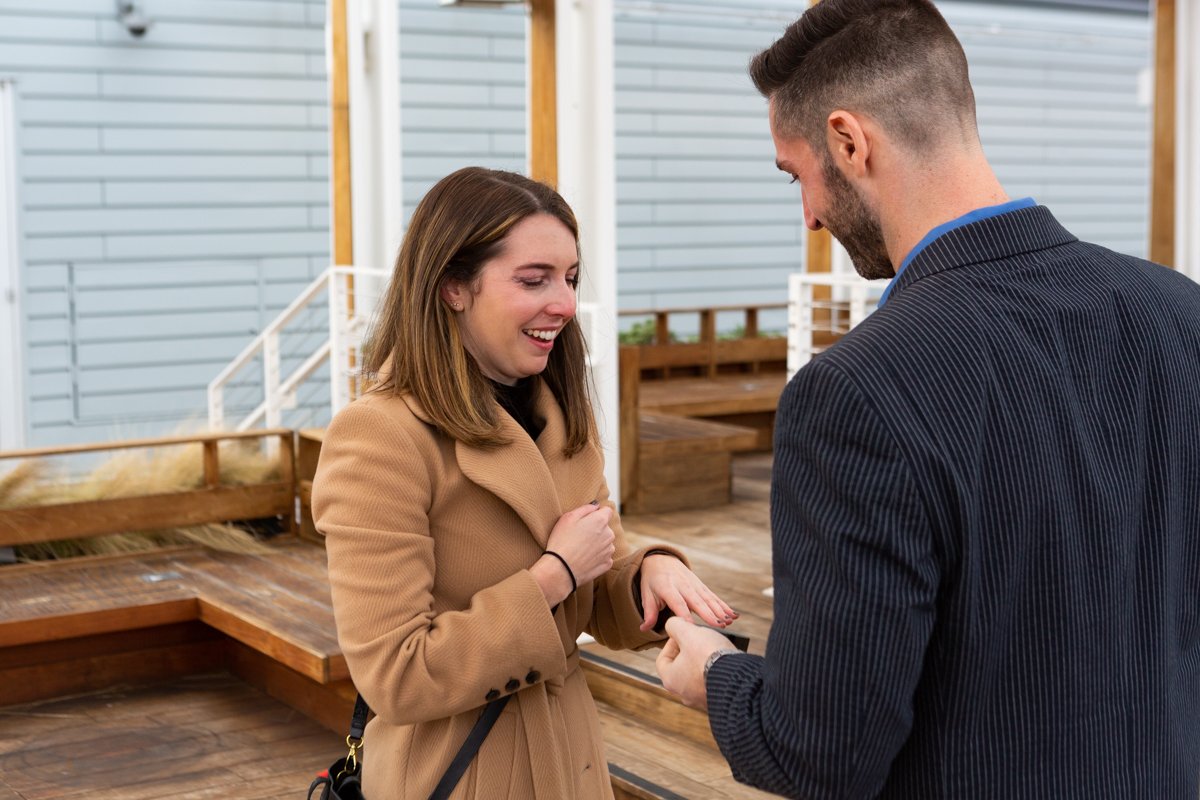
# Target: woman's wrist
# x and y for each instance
(552, 579)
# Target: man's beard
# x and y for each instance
(855, 226)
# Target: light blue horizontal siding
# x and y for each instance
(175, 197)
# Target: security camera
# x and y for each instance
(133, 19)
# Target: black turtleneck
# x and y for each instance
(520, 401)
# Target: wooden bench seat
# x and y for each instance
(684, 463)
(747, 400)
(277, 604)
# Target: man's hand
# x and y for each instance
(681, 663)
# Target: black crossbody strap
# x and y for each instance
(469, 748)
(358, 720)
(462, 759)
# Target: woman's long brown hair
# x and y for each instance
(416, 347)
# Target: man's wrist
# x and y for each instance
(714, 656)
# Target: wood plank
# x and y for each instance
(131, 444)
(88, 518)
(642, 696)
(670, 761)
(543, 93)
(308, 453)
(108, 620)
(26, 684)
(697, 468)
(256, 631)
(1163, 153)
(646, 312)
(762, 348)
(662, 435)
(706, 397)
(678, 354)
(339, 132)
(629, 376)
(329, 704)
(159, 753)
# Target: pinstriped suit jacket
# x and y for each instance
(986, 525)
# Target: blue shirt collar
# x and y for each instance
(966, 219)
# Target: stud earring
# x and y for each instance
(458, 306)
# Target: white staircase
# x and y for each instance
(254, 383)
(349, 296)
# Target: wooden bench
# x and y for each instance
(84, 623)
(686, 407)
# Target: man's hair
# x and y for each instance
(416, 347)
(896, 61)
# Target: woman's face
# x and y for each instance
(521, 301)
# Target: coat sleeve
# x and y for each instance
(855, 574)
(616, 609)
(371, 498)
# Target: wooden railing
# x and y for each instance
(708, 353)
(214, 502)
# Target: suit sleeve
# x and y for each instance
(616, 609)
(827, 709)
(371, 499)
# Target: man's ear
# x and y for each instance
(849, 142)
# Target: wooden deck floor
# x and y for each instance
(208, 736)
(213, 736)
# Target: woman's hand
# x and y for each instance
(667, 583)
(584, 540)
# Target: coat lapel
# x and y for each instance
(517, 472)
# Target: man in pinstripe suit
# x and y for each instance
(986, 498)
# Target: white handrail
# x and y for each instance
(345, 330)
(858, 293)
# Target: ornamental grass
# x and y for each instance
(133, 473)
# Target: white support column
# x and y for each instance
(1187, 139)
(12, 371)
(587, 179)
(373, 53)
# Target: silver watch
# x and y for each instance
(712, 659)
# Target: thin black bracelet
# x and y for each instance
(566, 566)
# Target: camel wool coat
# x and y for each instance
(429, 543)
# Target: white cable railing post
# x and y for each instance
(339, 314)
(216, 407)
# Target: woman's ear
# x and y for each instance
(454, 293)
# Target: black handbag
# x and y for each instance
(343, 781)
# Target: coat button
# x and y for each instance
(512, 685)
(492, 695)
(533, 677)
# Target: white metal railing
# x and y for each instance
(346, 329)
(853, 298)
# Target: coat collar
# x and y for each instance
(535, 479)
(993, 239)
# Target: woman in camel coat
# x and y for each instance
(463, 500)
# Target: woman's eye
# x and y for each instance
(532, 282)
(573, 281)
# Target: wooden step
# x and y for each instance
(658, 749)
(684, 463)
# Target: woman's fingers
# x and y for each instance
(649, 610)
